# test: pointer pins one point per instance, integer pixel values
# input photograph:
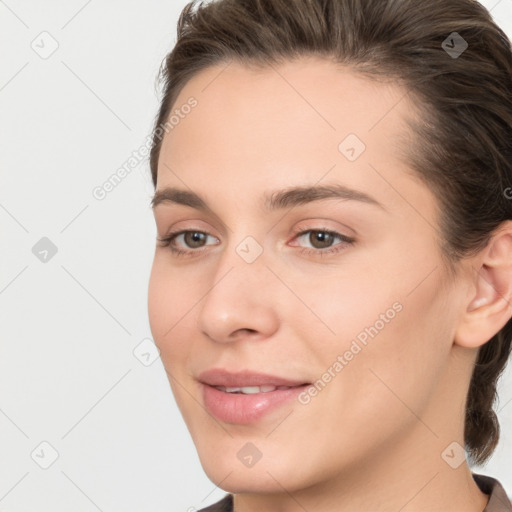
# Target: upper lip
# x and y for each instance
(222, 377)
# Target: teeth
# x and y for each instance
(251, 390)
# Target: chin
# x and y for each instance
(246, 480)
(225, 466)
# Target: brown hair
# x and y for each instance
(462, 147)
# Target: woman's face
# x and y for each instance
(363, 316)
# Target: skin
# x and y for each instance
(373, 438)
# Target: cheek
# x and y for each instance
(351, 295)
(168, 303)
(393, 335)
(397, 367)
(157, 301)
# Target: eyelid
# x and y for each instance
(172, 235)
(186, 218)
(329, 251)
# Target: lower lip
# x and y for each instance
(245, 409)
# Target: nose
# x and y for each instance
(241, 300)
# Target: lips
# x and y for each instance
(245, 378)
(245, 397)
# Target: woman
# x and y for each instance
(332, 283)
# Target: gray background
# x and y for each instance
(75, 344)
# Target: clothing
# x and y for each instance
(498, 499)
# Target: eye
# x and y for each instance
(192, 238)
(321, 240)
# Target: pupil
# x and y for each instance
(322, 237)
(196, 237)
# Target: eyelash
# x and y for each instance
(168, 241)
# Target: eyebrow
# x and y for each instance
(275, 200)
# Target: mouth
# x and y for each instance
(252, 390)
(246, 397)
(246, 380)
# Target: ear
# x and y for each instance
(489, 304)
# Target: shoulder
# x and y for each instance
(224, 505)
(498, 499)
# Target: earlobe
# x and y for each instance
(489, 306)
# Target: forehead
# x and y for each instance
(308, 100)
(315, 84)
(289, 120)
